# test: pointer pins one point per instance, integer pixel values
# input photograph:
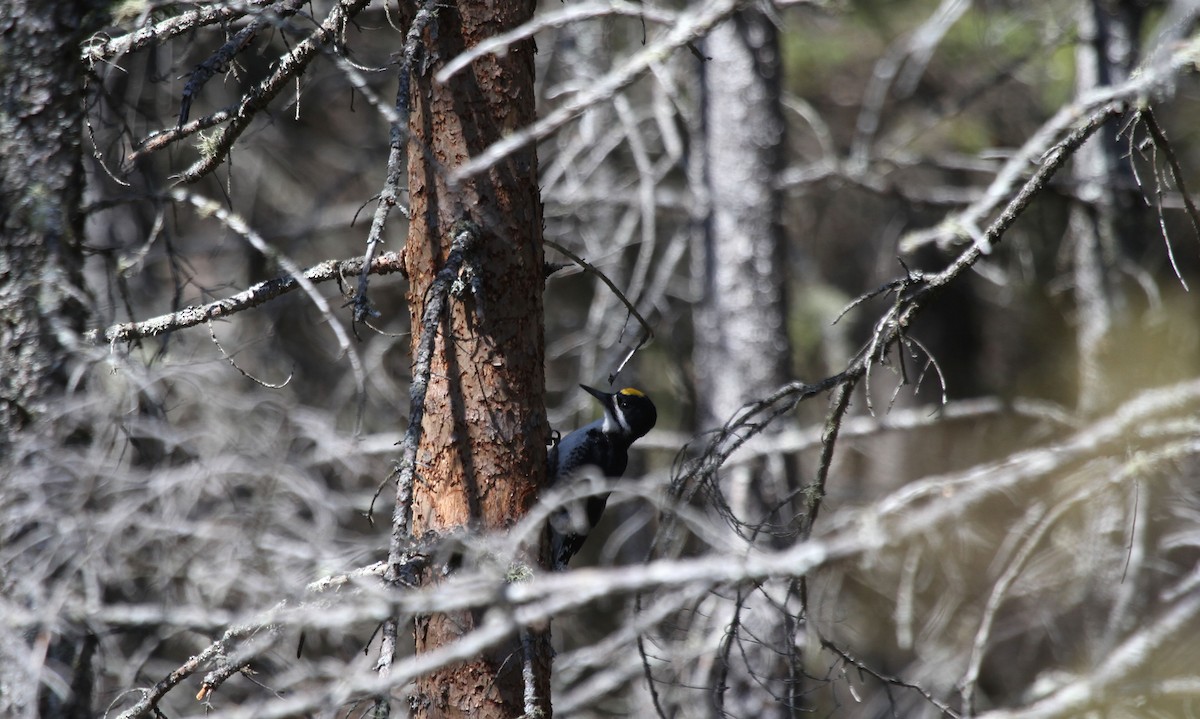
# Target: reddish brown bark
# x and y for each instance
(482, 454)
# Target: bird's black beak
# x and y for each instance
(606, 398)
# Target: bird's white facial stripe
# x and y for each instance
(618, 421)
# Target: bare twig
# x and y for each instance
(920, 287)
(1162, 144)
(148, 704)
(388, 196)
(942, 706)
(258, 97)
(159, 139)
(212, 333)
(219, 61)
(814, 493)
(647, 331)
(1041, 145)
(236, 223)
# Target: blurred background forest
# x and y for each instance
(1008, 519)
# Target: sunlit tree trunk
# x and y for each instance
(742, 351)
(742, 346)
(482, 454)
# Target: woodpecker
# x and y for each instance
(603, 445)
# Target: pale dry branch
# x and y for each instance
(689, 28)
(791, 441)
(899, 518)
(329, 270)
(915, 290)
(901, 65)
(568, 15)
(236, 223)
(1129, 425)
(1095, 688)
(104, 49)
(1152, 423)
(1043, 145)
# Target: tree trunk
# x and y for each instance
(742, 350)
(485, 395)
(42, 303)
(1105, 55)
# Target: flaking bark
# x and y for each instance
(481, 458)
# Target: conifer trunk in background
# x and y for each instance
(43, 302)
(1109, 34)
(742, 349)
(41, 195)
(482, 455)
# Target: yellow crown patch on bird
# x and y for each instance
(630, 391)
